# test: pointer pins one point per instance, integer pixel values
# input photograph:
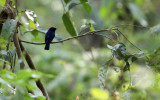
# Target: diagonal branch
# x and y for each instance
(128, 40)
(31, 65)
(18, 49)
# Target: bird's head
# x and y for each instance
(52, 28)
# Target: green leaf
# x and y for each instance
(127, 57)
(2, 81)
(2, 2)
(22, 28)
(13, 52)
(25, 75)
(141, 56)
(37, 97)
(8, 29)
(91, 26)
(8, 76)
(87, 7)
(83, 27)
(138, 14)
(13, 3)
(49, 75)
(83, 1)
(5, 55)
(138, 53)
(118, 54)
(119, 50)
(68, 24)
(155, 29)
(41, 98)
(35, 33)
(72, 5)
(67, 1)
(134, 58)
(121, 47)
(126, 67)
(21, 11)
(118, 46)
(110, 47)
(88, 24)
(32, 25)
(30, 87)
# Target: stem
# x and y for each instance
(126, 25)
(128, 40)
(70, 38)
(31, 65)
(63, 6)
(18, 49)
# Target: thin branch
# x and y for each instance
(128, 40)
(116, 35)
(131, 43)
(18, 50)
(126, 25)
(106, 37)
(32, 66)
(70, 38)
(63, 5)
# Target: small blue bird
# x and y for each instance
(49, 37)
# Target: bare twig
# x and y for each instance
(87, 33)
(128, 40)
(131, 43)
(63, 5)
(4, 64)
(126, 25)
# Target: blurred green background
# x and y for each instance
(78, 66)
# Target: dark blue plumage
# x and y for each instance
(49, 37)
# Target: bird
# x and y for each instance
(49, 37)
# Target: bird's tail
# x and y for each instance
(47, 46)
